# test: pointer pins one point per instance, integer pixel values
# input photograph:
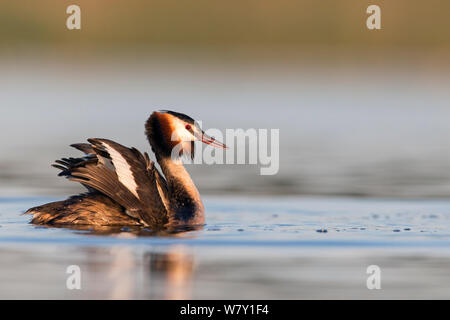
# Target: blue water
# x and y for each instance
(251, 247)
(342, 133)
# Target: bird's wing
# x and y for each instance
(66, 165)
(84, 147)
(161, 183)
(121, 173)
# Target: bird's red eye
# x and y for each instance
(188, 127)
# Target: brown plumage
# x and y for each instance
(84, 209)
(124, 186)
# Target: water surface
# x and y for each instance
(250, 248)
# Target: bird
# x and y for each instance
(124, 186)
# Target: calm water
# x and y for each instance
(250, 248)
(362, 131)
(356, 129)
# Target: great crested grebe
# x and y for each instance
(124, 186)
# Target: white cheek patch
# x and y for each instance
(123, 169)
(180, 133)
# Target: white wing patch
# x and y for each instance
(123, 169)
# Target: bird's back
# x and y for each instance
(85, 209)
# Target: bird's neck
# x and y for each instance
(185, 205)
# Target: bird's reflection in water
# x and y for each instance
(126, 271)
(121, 232)
(121, 274)
(174, 268)
(157, 274)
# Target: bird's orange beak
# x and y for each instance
(213, 142)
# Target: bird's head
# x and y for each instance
(170, 132)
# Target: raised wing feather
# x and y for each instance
(123, 174)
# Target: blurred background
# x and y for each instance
(361, 113)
